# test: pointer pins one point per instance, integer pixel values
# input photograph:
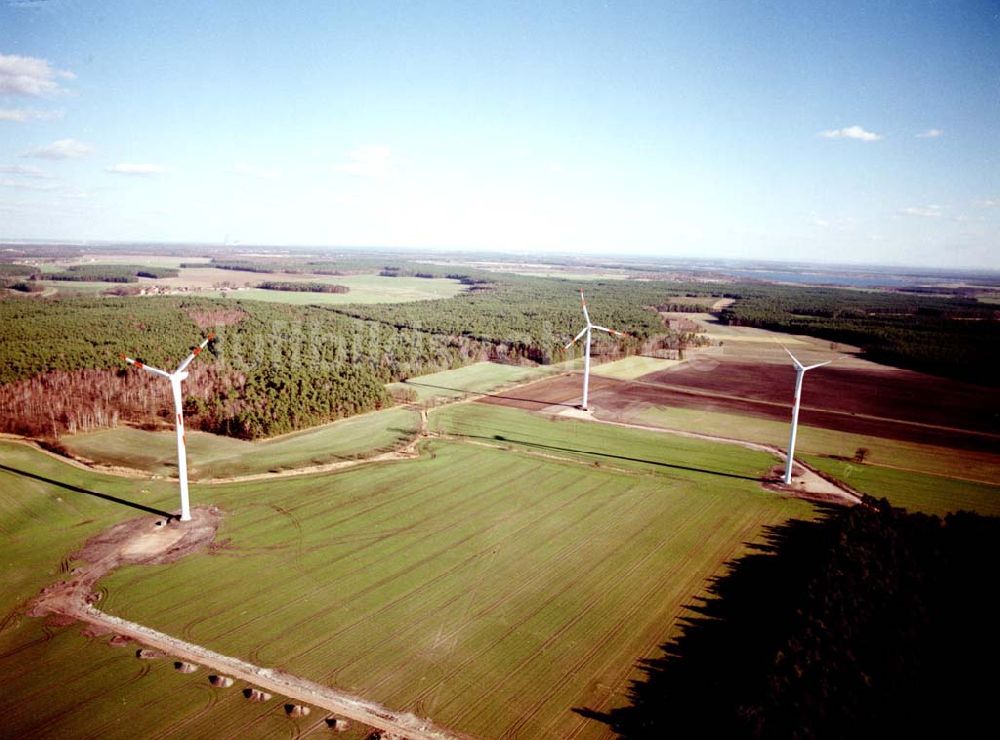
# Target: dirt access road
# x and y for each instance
(149, 540)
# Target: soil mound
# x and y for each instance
(222, 682)
(256, 694)
(147, 654)
(297, 710)
(336, 724)
(182, 667)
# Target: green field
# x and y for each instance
(58, 683)
(940, 461)
(214, 456)
(79, 287)
(932, 494)
(364, 289)
(630, 368)
(489, 589)
(601, 444)
(481, 377)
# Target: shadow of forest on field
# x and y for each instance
(867, 622)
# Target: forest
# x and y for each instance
(303, 287)
(869, 622)
(530, 318)
(109, 273)
(272, 369)
(949, 336)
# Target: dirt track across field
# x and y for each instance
(149, 540)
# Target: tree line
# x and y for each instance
(868, 622)
(303, 287)
(951, 336)
(273, 369)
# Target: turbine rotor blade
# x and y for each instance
(577, 337)
(194, 353)
(818, 364)
(794, 358)
(609, 331)
(583, 302)
(144, 366)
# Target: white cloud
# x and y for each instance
(22, 170)
(367, 161)
(29, 76)
(931, 133)
(139, 169)
(923, 211)
(851, 132)
(989, 202)
(61, 149)
(248, 170)
(20, 185)
(21, 115)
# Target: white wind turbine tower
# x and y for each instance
(175, 379)
(586, 356)
(800, 371)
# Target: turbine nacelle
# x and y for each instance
(802, 368)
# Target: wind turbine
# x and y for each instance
(175, 379)
(586, 356)
(800, 371)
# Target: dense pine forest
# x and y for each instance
(951, 336)
(530, 318)
(272, 369)
(871, 622)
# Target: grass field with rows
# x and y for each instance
(491, 585)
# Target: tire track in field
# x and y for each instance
(569, 550)
(278, 682)
(557, 557)
(389, 556)
(109, 688)
(196, 693)
(511, 629)
(268, 711)
(653, 646)
(70, 599)
(289, 603)
(158, 698)
(43, 665)
(611, 634)
(410, 568)
(302, 690)
(160, 595)
(566, 626)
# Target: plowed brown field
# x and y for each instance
(882, 402)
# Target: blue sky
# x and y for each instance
(848, 132)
